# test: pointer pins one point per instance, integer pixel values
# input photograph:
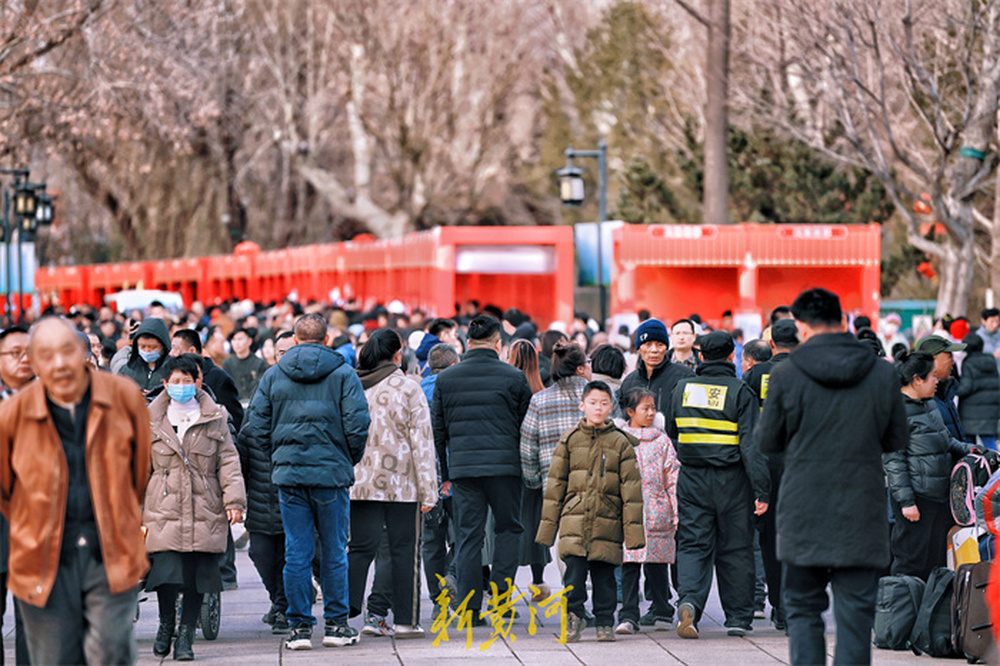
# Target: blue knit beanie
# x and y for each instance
(651, 330)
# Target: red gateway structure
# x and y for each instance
(749, 268)
(668, 269)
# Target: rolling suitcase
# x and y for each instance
(971, 624)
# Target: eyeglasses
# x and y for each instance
(15, 353)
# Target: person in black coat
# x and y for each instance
(477, 409)
(920, 475)
(833, 408)
(653, 372)
(979, 393)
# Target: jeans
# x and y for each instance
(82, 622)
(805, 599)
(602, 579)
(471, 497)
(401, 521)
(306, 510)
(267, 552)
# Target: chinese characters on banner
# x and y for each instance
(499, 614)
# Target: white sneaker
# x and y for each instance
(408, 631)
(627, 627)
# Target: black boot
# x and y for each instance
(182, 648)
(164, 635)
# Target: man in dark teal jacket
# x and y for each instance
(310, 413)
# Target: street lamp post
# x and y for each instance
(32, 207)
(572, 192)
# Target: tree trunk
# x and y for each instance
(956, 265)
(716, 196)
(995, 243)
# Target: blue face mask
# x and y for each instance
(150, 357)
(181, 392)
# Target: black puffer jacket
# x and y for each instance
(924, 467)
(263, 510)
(979, 395)
(477, 411)
(660, 382)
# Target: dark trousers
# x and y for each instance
(20, 645)
(439, 545)
(918, 548)
(82, 622)
(805, 600)
(267, 552)
(715, 526)
(380, 598)
(402, 522)
(656, 586)
(227, 563)
(767, 530)
(471, 498)
(602, 579)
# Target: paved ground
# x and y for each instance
(244, 639)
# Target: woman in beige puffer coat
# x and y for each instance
(195, 492)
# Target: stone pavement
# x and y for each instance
(244, 639)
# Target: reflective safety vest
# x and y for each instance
(706, 420)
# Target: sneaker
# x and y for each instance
(626, 627)
(301, 638)
(340, 635)
(739, 632)
(605, 635)
(268, 617)
(574, 625)
(376, 625)
(409, 631)
(280, 624)
(759, 614)
(685, 621)
(658, 623)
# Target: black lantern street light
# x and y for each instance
(32, 207)
(572, 193)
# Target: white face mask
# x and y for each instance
(890, 330)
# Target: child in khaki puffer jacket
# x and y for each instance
(594, 497)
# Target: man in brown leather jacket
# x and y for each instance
(74, 463)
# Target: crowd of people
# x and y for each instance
(456, 450)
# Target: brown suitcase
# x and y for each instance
(971, 627)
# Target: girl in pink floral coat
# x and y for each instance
(659, 467)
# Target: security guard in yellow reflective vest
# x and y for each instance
(711, 422)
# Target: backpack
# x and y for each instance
(896, 610)
(932, 628)
(968, 477)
